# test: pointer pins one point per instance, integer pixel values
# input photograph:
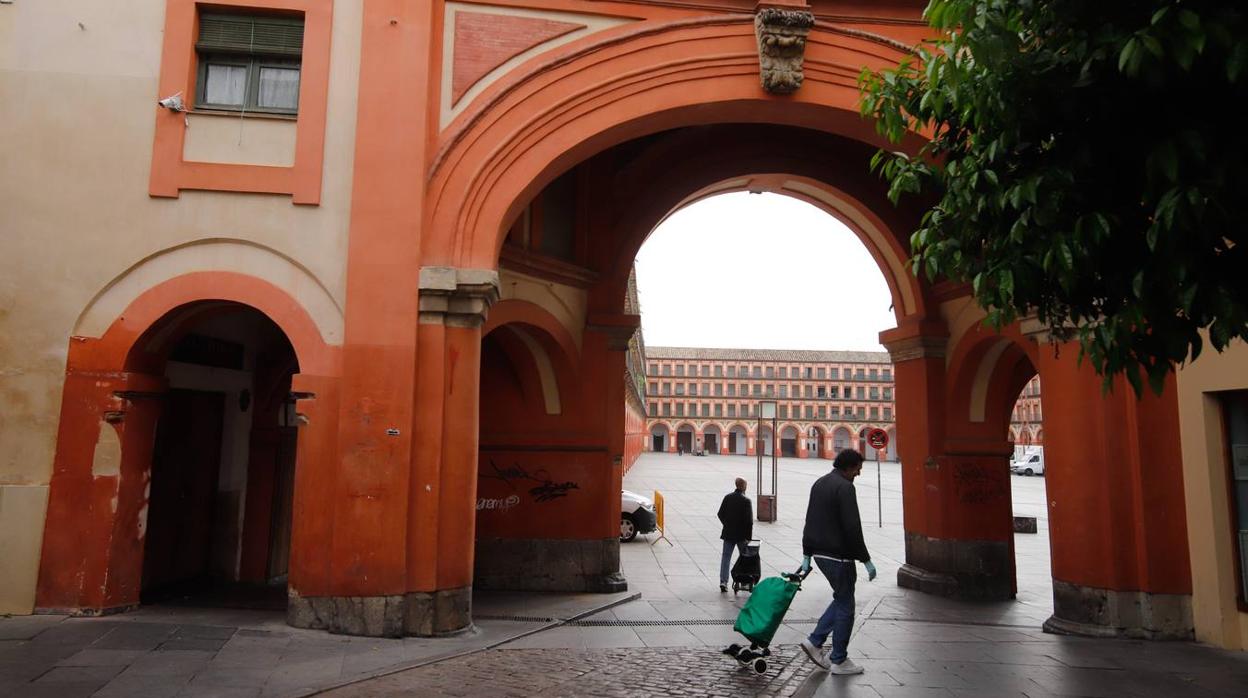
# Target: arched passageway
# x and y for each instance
(815, 438)
(223, 463)
(788, 441)
(660, 438)
(841, 438)
(712, 439)
(738, 440)
(764, 440)
(655, 149)
(185, 415)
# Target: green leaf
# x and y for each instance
(1128, 52)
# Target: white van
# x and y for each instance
(1029, 462)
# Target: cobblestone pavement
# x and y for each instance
(553, 673)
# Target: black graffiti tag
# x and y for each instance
(546, 489)
(552, 490)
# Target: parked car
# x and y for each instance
(636, 515)
(1028, 463)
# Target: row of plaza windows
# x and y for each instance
(1027, 413)
(746, 371)
(681, 409)
(818, 392)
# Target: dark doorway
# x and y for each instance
(712, 443)
(732, 442)
(221, 500)
(185, 466)
(658, 443)
(684, 441)
(788, 448)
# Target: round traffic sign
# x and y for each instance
(877, 438)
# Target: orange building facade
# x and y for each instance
(706, 400)
(345, 313)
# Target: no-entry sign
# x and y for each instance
(878, 439)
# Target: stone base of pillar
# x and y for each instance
(439, 613)
(424, 614)
(961, 569)
(1088, 611)
(529, 564)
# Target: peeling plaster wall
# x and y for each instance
(78, 82)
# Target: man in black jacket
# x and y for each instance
(833, 537)
(737, 516)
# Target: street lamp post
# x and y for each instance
(767, 502)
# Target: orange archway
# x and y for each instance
(92, 556)
(596, 93)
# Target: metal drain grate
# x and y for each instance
(519, 619)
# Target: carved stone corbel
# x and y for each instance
(781, 37)
(917, 347)
(456, 297)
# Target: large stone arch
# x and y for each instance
(624, 84)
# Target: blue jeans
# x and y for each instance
(727, 557)
(838, 619)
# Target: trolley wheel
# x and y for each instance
(759, 666)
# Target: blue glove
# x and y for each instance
(806, 564)
(870, 571)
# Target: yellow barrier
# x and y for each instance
(658, 515)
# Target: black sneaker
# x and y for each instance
(723, 588)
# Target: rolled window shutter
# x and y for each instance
(254, 35)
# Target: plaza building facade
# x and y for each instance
(1027, 419)
(331, 297)
(707, 400)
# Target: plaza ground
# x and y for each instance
(662, 637)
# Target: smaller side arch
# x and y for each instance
(121, 344)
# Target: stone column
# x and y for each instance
(441, 532)
(1116, 505)
(950, 495)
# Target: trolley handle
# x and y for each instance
(799, 576)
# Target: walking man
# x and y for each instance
(737, 516)
(833, 537)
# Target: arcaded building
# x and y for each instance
(332, 296)
(1027, 420)
(707, 400)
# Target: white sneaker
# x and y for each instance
(845, 668)
(816, 655)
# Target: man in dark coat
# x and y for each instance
(833, 537)
(737, 515)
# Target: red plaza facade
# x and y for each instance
(707, 400)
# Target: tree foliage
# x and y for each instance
(1087, 163)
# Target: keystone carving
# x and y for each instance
(781, 47)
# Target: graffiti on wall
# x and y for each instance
(976, 486)
(497, 503)
(516, 476)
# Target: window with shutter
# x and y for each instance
(249, 63)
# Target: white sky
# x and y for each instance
(760, 271)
